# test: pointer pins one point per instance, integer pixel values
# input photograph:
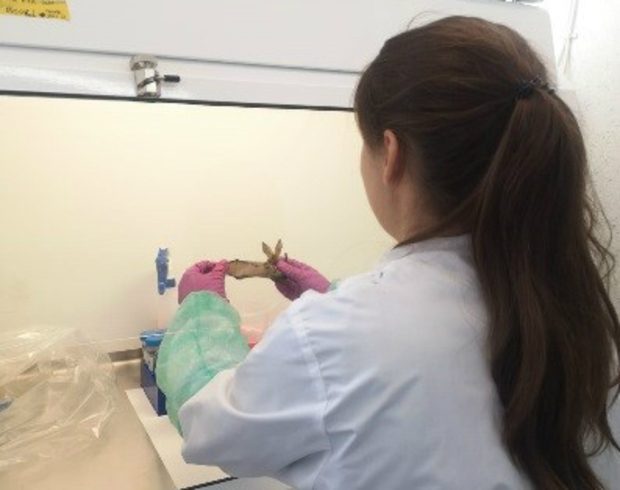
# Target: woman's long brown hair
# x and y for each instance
(504, 160)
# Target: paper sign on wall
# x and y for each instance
(40, 9)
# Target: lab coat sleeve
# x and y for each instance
(264, 417)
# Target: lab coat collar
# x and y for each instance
(458, 244)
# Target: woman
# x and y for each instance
(481, 353)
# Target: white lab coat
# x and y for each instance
(380, 384)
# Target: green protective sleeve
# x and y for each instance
(203, 339)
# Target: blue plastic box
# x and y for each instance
(151, 339)
(152, 391)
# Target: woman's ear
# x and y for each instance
(393, 161)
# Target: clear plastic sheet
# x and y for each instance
(56, 394)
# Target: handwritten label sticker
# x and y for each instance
(40, 9)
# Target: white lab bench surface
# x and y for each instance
(168, 443)
(125, 457)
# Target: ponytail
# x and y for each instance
(554, 330)
(509, 167)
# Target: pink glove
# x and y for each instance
(299, 278)
(204, 276)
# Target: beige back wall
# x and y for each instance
(91, 189)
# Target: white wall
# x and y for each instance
(91, 189)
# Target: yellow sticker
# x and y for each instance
(40, 9)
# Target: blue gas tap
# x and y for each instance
(161, 262)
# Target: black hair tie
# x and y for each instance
(526, 88)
